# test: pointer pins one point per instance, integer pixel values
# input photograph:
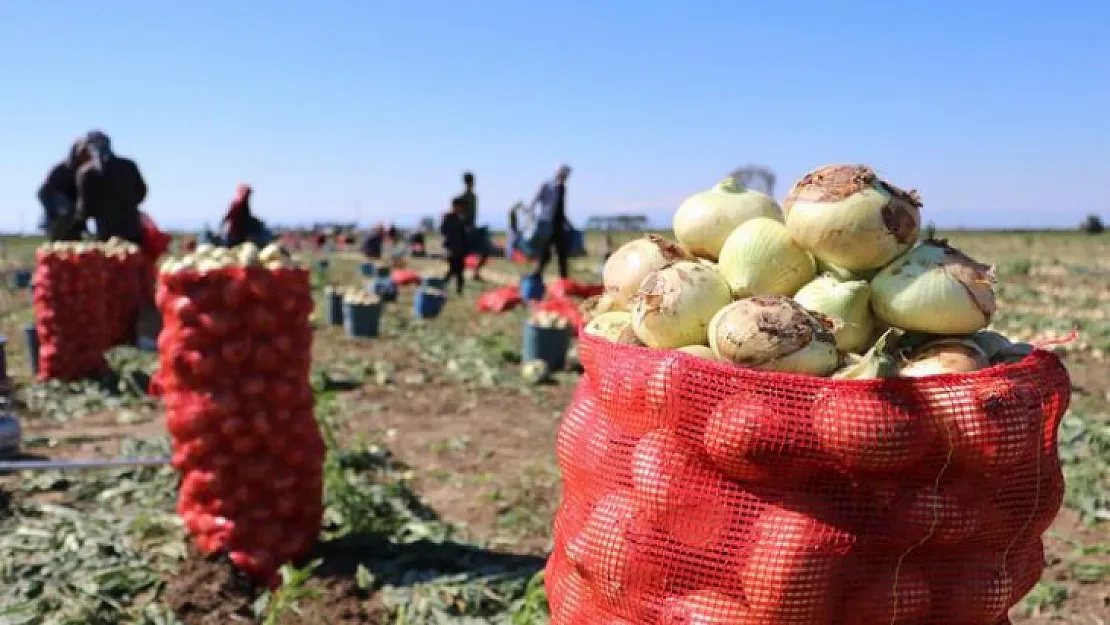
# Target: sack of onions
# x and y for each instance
(124, 274)
(235, 355)
(768, 426)
(70, 310)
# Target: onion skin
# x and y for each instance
(775, 334)
(613, 326)
(673, 306)
(945, 356)
(935, 289)
(632, 262)
(705, 219)
(849, 217)
(760, 258)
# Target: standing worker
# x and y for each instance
(109, 190)
(453, 229)
(237, 223)
(58, 196)
(476, 242)
(552, 199)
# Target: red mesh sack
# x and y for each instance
(405, 277)
(565, 287)
(70, 316)
(696, 491)
(234, 363)
(472, 261)
(124, 284)
(565, 308)
(155, 242)
(499, 300)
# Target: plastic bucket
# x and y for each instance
(432, 282)
(335, 308)
(361, 320)
(22, 279)
(385, 289)
(532, 288)
(547, 344)
(367, 270)
(427, 305)
(32, 348)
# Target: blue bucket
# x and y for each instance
(577, 244)
(432, 282)
(368, 270)
(385, 289)
(335, 308)
(547, 344)
(361, 320)
(32, 348)
(22, 279)
(384, 271)
(427, 304)
(532, 288)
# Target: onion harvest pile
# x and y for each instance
(70, 315)
(732, 457)
(125, 284)
(235, 355)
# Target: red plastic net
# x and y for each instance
(126, 279)
(499, 300)
(235, 356)
(700, 492)
(70, 316)
(565, 308)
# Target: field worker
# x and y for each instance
(58, 196)
(109, 190)
(476, 242)
(513, 233)
(236, 224)
(552, 200)
(454, 231)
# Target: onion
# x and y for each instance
(878, 362)
(760, 258)
(705, 219)
(614, 326)
(594, 306)
(848, 303)
(848, 216)
(935, 289)
(701, 351)
(773, 333)
(673, 306)
(945, 356)
(632, 262)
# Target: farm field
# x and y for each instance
(441, 479)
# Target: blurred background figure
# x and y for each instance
(477, 239)
(58, 197)
(552, 217)
(237, 221)
(110, 189)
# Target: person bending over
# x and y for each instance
(454, 231)
(110, 189)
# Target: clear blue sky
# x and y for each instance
(997, 112)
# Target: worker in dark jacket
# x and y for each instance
(109, 190)
(58, 196)
(454, 231)
(238, 220)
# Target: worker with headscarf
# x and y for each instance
(110, 189)
(236, 224)
(551, 212)
(58, 196)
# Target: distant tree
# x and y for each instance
(757, 177)
(428, 224)
(929, 231)
(1092, 225)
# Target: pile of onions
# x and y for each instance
(835, 283)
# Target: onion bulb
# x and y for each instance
(597, 305)
(673, 306)
(879, 361)
(701, 351)
(760, 258)
(935, 289)
(632, 262)
(849, 217)
(705, 219)
(614, 326)
(945, 356)
(847, 303)
(773, 333)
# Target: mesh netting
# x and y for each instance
(235, 354)
(70, 316)
(700, 492)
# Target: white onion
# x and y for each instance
(673, 306)
(632, 262)
(849, 217)
(935, 289)
(760, 258)
(847, 303)
(613, 326)
(773, 333)
(705, 219)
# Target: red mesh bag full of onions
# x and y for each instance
(125, 274)
(70, 315)
(235, 356)
(762, 440)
